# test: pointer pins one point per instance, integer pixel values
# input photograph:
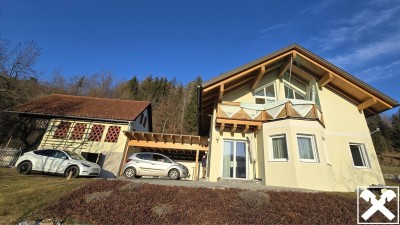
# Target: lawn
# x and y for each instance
(99, 201)
(22, 194)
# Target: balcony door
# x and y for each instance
(235, 159)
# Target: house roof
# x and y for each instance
(57, 105)
(307, 65)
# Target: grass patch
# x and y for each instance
(22, 194)
(392, 183)
(390, 169)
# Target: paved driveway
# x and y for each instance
(206, 184)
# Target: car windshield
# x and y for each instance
(74, 155)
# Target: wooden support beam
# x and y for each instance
(280, 74)
(221, 92)
(173, 139)
(222, 127)
(124, 159)
(163, 138)
(170, 145)
(366, 104)
(233, 129)
(154, 138)
(294, 55)
(258, 128)
(303, 74)
(258, 79)
(191, 140)
(287, 109)
(196, 176)
(144, 137)
(242, 122)
(245, 129)
(325, 80)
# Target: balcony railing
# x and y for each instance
(247, 116)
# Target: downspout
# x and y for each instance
(199, 90)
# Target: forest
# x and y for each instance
(174, 104)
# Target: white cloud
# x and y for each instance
(367, 52)
(318, 7)
(277, 26)
(358, 26)
(380, 72)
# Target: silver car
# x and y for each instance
(154, 164)
(58, 162)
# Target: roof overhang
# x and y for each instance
(306, 66)
(168, 142)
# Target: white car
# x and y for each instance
(154, 164)
(57, 162)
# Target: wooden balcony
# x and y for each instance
(250, 117)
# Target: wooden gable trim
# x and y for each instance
(221, 92)
(343, 79)
(247, 71)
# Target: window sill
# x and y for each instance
(362, 167)
(279, 160)
(308, 161)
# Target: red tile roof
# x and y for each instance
(83, 107)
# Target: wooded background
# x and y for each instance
(174, 105)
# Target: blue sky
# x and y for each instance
(184, 39)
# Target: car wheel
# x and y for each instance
(174, 174)
(130, 172)
(24, 167)
(74, 170)
(138, 176)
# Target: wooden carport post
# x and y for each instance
(196, 177)
(124, 158)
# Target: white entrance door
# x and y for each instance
(235, 159)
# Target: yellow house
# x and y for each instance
(92, 127)
(291, 119)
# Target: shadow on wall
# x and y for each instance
(350, 177)
(104, 173)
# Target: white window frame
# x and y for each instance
(271, 147)
(247, 157)
(294, 89)
(363, 153)
(265, 97)
(313, 146)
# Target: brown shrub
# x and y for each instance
(255, 198)
(130, 186)
(97, 196)
(161, 210)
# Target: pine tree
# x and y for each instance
(380, 139)
(190, 113)
(395, 138)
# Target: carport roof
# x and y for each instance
(166, 141)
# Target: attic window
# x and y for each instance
(78, 132)
(96, 133)
(113, 134)
(290, 93)
(62, 130)
(141, 118)
(145, 121)
(265, 94)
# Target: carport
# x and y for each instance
(184, 146)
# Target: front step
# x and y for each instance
(239, 181)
